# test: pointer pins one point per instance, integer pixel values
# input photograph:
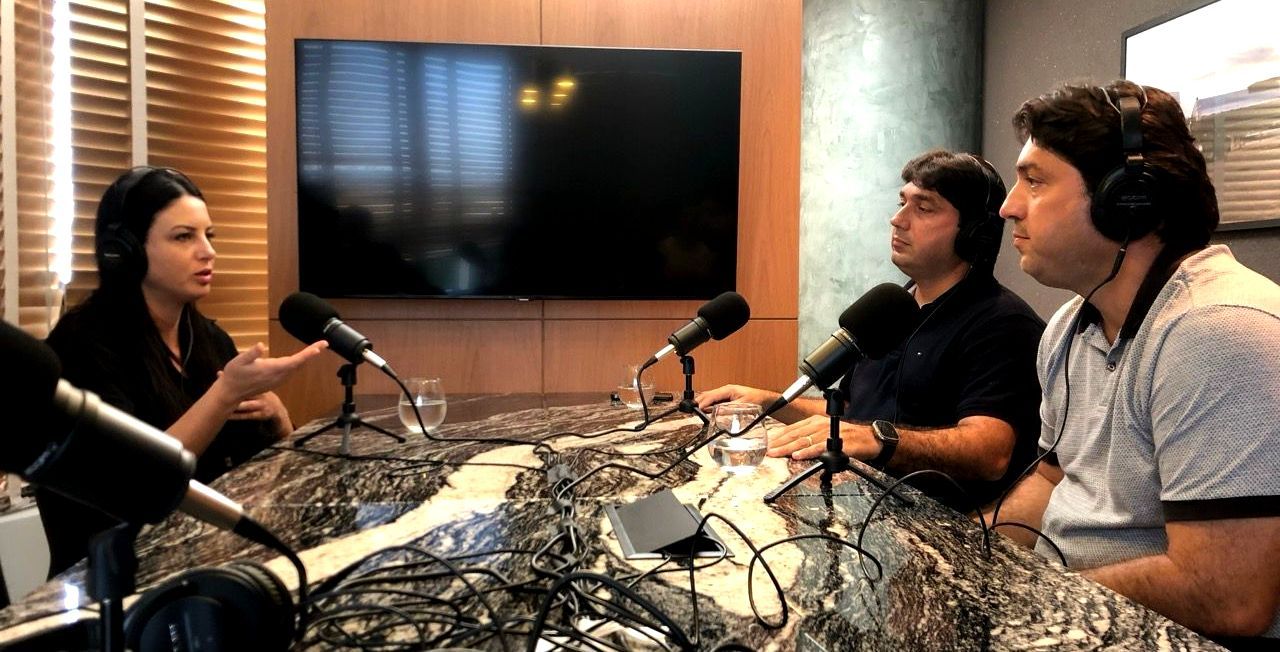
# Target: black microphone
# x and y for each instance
(869, 328)
(310, 318)
(75, 430)
(716, 320)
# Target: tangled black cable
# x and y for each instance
(570, 582)
(396, 606)
(350, 601)
(982, 521)
(652, 475)
(639, 427)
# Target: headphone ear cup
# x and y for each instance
(980, 240)
(280, 612)
(240, 606)
(1122, 208)
(118, 251)
(120, 254)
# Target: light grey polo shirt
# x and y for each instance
(1178, 420)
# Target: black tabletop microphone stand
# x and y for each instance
(348, 419)
(110, 577)
(687, 404)
(833, 460)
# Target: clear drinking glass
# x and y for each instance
(627, 390)
(738, 451)
(428, 396)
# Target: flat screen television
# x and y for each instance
(450, 170)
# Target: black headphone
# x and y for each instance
(239, 606)
(979, 240)
(117, 250)
(1122, 204)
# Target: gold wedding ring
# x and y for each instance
(808, 440)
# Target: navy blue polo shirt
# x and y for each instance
(973, 354)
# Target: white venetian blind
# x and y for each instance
(1239, 134)
(100, 147)
(206, 115)
(33, 83)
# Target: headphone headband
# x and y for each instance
(979, 240)
(1122, 207)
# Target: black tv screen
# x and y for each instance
(448, 170)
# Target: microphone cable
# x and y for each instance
(644, 404)
(378, 620)
(661, 623)
(593, 435)
(257, 533)
(654, 475)
(1066, 407)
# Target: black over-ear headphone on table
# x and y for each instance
(239, 606)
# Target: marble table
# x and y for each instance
(941, 588)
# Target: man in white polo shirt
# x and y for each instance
(1161, 381)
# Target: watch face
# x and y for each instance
(884, 430)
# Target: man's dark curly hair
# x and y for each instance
(1081, 124)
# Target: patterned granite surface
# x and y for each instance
(940, 590)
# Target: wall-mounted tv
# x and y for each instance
(450, 170)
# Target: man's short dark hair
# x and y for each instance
(974, 188)
(1081, 124)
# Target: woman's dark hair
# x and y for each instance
(126, 211)
(972, 186)
(1081, 124)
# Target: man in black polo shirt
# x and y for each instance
(960, 394)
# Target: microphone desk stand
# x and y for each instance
(687, 404)
(833, 460)
(110, 578)
(348, 419)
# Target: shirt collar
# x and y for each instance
(970, 282)
(1162, 269)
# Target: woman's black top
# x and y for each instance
(101, 355)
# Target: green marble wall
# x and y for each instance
(884, 80)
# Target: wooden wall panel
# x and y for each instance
(469, 356)
(553, 346)
(590, 355)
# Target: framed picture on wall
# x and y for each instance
(1221, 59)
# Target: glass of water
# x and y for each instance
(738, 450)
(629, 392)
(428, 398)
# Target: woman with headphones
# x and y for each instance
(139, 342)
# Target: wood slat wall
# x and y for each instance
(206, 116)
(100, 145)
(33, 42)
(553, 346)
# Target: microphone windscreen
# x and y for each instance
(880, 319)
(30, 379)
(304, 316)
(725, 314)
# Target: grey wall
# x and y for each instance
(883, 81)
(1033, 45)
